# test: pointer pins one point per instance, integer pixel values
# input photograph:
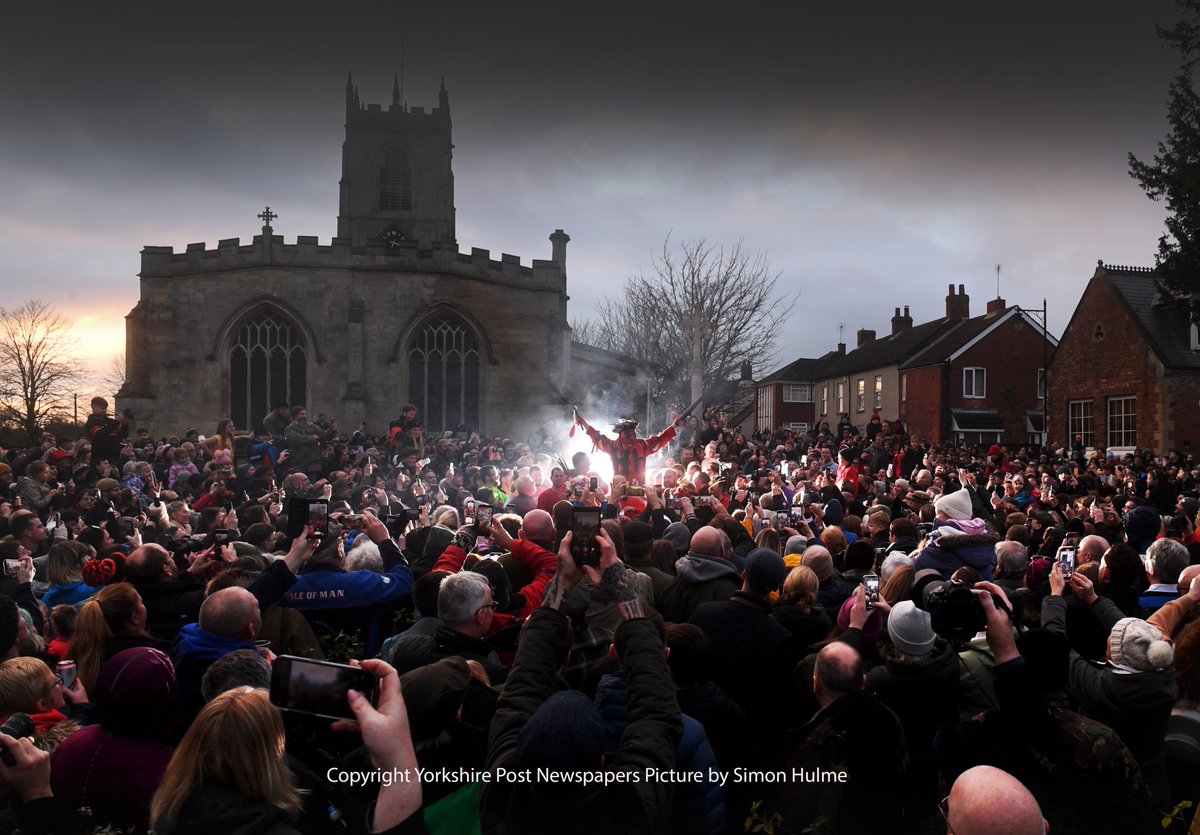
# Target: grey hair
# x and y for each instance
(1012, 555)
(1170, 557)
(461, 596)
(891, 562)
(364, 555)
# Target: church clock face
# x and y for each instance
(393, 238)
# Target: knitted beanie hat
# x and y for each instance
(1136, 644)
(910, 628)
(956, 505)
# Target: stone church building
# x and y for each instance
(389, 312)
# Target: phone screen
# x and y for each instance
(871, 581)
(593, 484)
(297, 515)
(585, 526)
(318, 520)
(1066, 560)
(483, 516)
(318, 687)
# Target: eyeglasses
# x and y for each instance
(944, 808)
(493, 606)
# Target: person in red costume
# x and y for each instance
(629, 452)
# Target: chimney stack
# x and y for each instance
(958, 306)
(901, 323)
(865, 336)
(996, 305)
(558, 248)
(841, 349)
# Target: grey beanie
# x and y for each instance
(910, 628)
(795, 545)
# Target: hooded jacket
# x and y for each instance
(955, 543)
(194, 652)
(700, 579)
(216, 808)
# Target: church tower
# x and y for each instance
(397, 184)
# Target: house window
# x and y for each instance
(878, 391)
(801, 428)
(1195, 338)
(975, 383)
(1041, 383)
(1079, 421)
(824, 400)
(861, 399)
(903, 388)
(1098, 333)
(1122, 421)
(797, 393)
(766, 403)
(841, 398)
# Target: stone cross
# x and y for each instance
(267, 216)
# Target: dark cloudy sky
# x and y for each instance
(875, 155)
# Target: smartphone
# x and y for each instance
(483, 516)
(702, 501)
(768, 523)
(126, 527)
(319, 688)
(318, 520)
(220, 535)
(297, 515)
(675, 504)
(797, 513)
(871, 581)
(924, 529)
(593, 484)
(1066, 560)
(11, 567)
(585, 527)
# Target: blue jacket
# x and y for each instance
(194, 652)
(352, 602)
(69, 593)
(699, 807)
(954, 544)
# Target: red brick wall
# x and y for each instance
(1122, 364)
(1012, 356)
(922, 408)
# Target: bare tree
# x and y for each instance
(114, 378)
(38, 367)
(733, 289)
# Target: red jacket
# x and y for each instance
(541, 563)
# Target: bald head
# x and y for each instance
(148, 563)
(838, 671)
(1187, 577)
(977, 796)
(231, 613)
(709, 541)
(538, 526)
(1091, 549)
(818, 558)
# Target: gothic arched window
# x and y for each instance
(268, 365)
(443, 374)
(395, 182)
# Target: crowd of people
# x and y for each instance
(836, 631)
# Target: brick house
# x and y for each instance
(785, 397)
(973, 380)
(1127, 375)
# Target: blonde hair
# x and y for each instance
(24, 682)
(64, 563)
(801, 586)
(446, 516)
(237, 742)
(104, 615)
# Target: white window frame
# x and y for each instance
(1125, 430)
(797, 393)
(860, 399)
(977, 388)
(841, 398)
(1195, 336)
(878, 396)
(802, 428)
(824, 400)
(1082, 423)
(1041, 384)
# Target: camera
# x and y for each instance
(955, 611)
(18, 726)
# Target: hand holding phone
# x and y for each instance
(871, 581)
(585, 527)
(319, 688)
